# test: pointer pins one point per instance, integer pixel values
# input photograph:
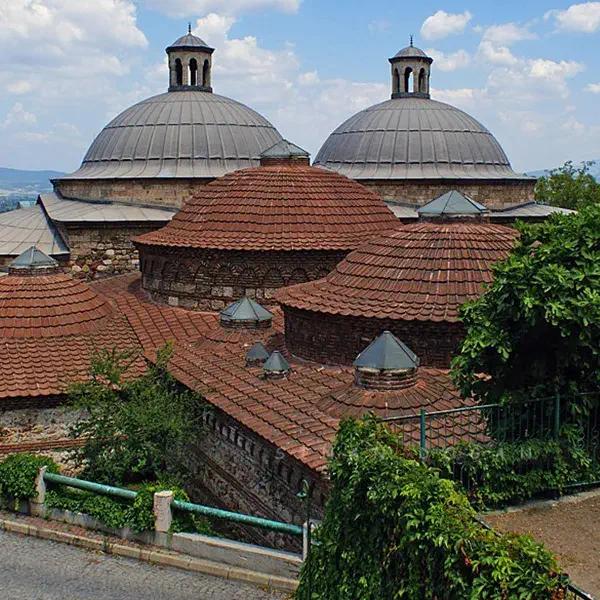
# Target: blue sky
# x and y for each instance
(530, 71)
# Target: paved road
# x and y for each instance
(34, 569)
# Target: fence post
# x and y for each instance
(36, 505)
(423, 431)
(163, 517)
(557, 414)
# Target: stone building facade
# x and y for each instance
(164, 192)
(493, 194)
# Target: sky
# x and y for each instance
(528, 70)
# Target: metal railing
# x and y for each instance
(209, 511)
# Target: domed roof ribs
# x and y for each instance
(385, 353)
(452, 204)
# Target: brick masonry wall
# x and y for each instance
(233, 467)
(492, 194)
(102, 250)
(334, 339)
(211, 279)
(149, 192)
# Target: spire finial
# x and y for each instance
(190, 28)
(411, 40)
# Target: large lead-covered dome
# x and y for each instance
(413, 137)
(179, 134)
(189, 132)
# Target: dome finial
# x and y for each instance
(411, 40)
(190, 28)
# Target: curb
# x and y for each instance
(156, 557)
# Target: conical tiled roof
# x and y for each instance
(245, 310)
(276, 363)
(277, 207)
(387, 352)
(32, 258)
(423, 271)
(452, 204)
(257, 354)
(284, 149)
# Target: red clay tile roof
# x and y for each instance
(279, 207)
(48, 305)
(50, 327)
(299, 413)
(423, 271)
(154, 324)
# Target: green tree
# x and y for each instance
(536, 329)
(134, 430)
(569, 186)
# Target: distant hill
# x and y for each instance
(22, 187)
(595, 170)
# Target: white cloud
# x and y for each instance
(442, 24)
(584, 17)
(449, 62)
(496, 41)
(303, 106)
(507, 34)
(19, 86)
(552, 71)
(18, 116)
(185, 8)
(594, 88)
(309, 78)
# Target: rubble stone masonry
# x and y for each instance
(493, 194)
(148, 192)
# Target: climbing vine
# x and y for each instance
(394, 529)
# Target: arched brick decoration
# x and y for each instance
(298, 276)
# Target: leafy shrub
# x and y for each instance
(394, 529)
(117, 513)
(109, 511)
(18, 473)
(510, 472)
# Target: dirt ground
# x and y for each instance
(570, 528)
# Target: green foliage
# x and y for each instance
(508, 472)
(536, 329)
(18, 473)
(394, 529)
(134, 430)
(117, 513)
(569, 186)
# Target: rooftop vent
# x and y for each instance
(276, 367)
(284, 152)
(386, 364)
(257, 355)
(246, 313)
(32, 261)
(452, 204)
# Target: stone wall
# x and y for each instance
(233, 467)
(148, 192)
(492, 194)
(101, 250)
(211, 279)
(336, 339)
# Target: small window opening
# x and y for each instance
(178, 72)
